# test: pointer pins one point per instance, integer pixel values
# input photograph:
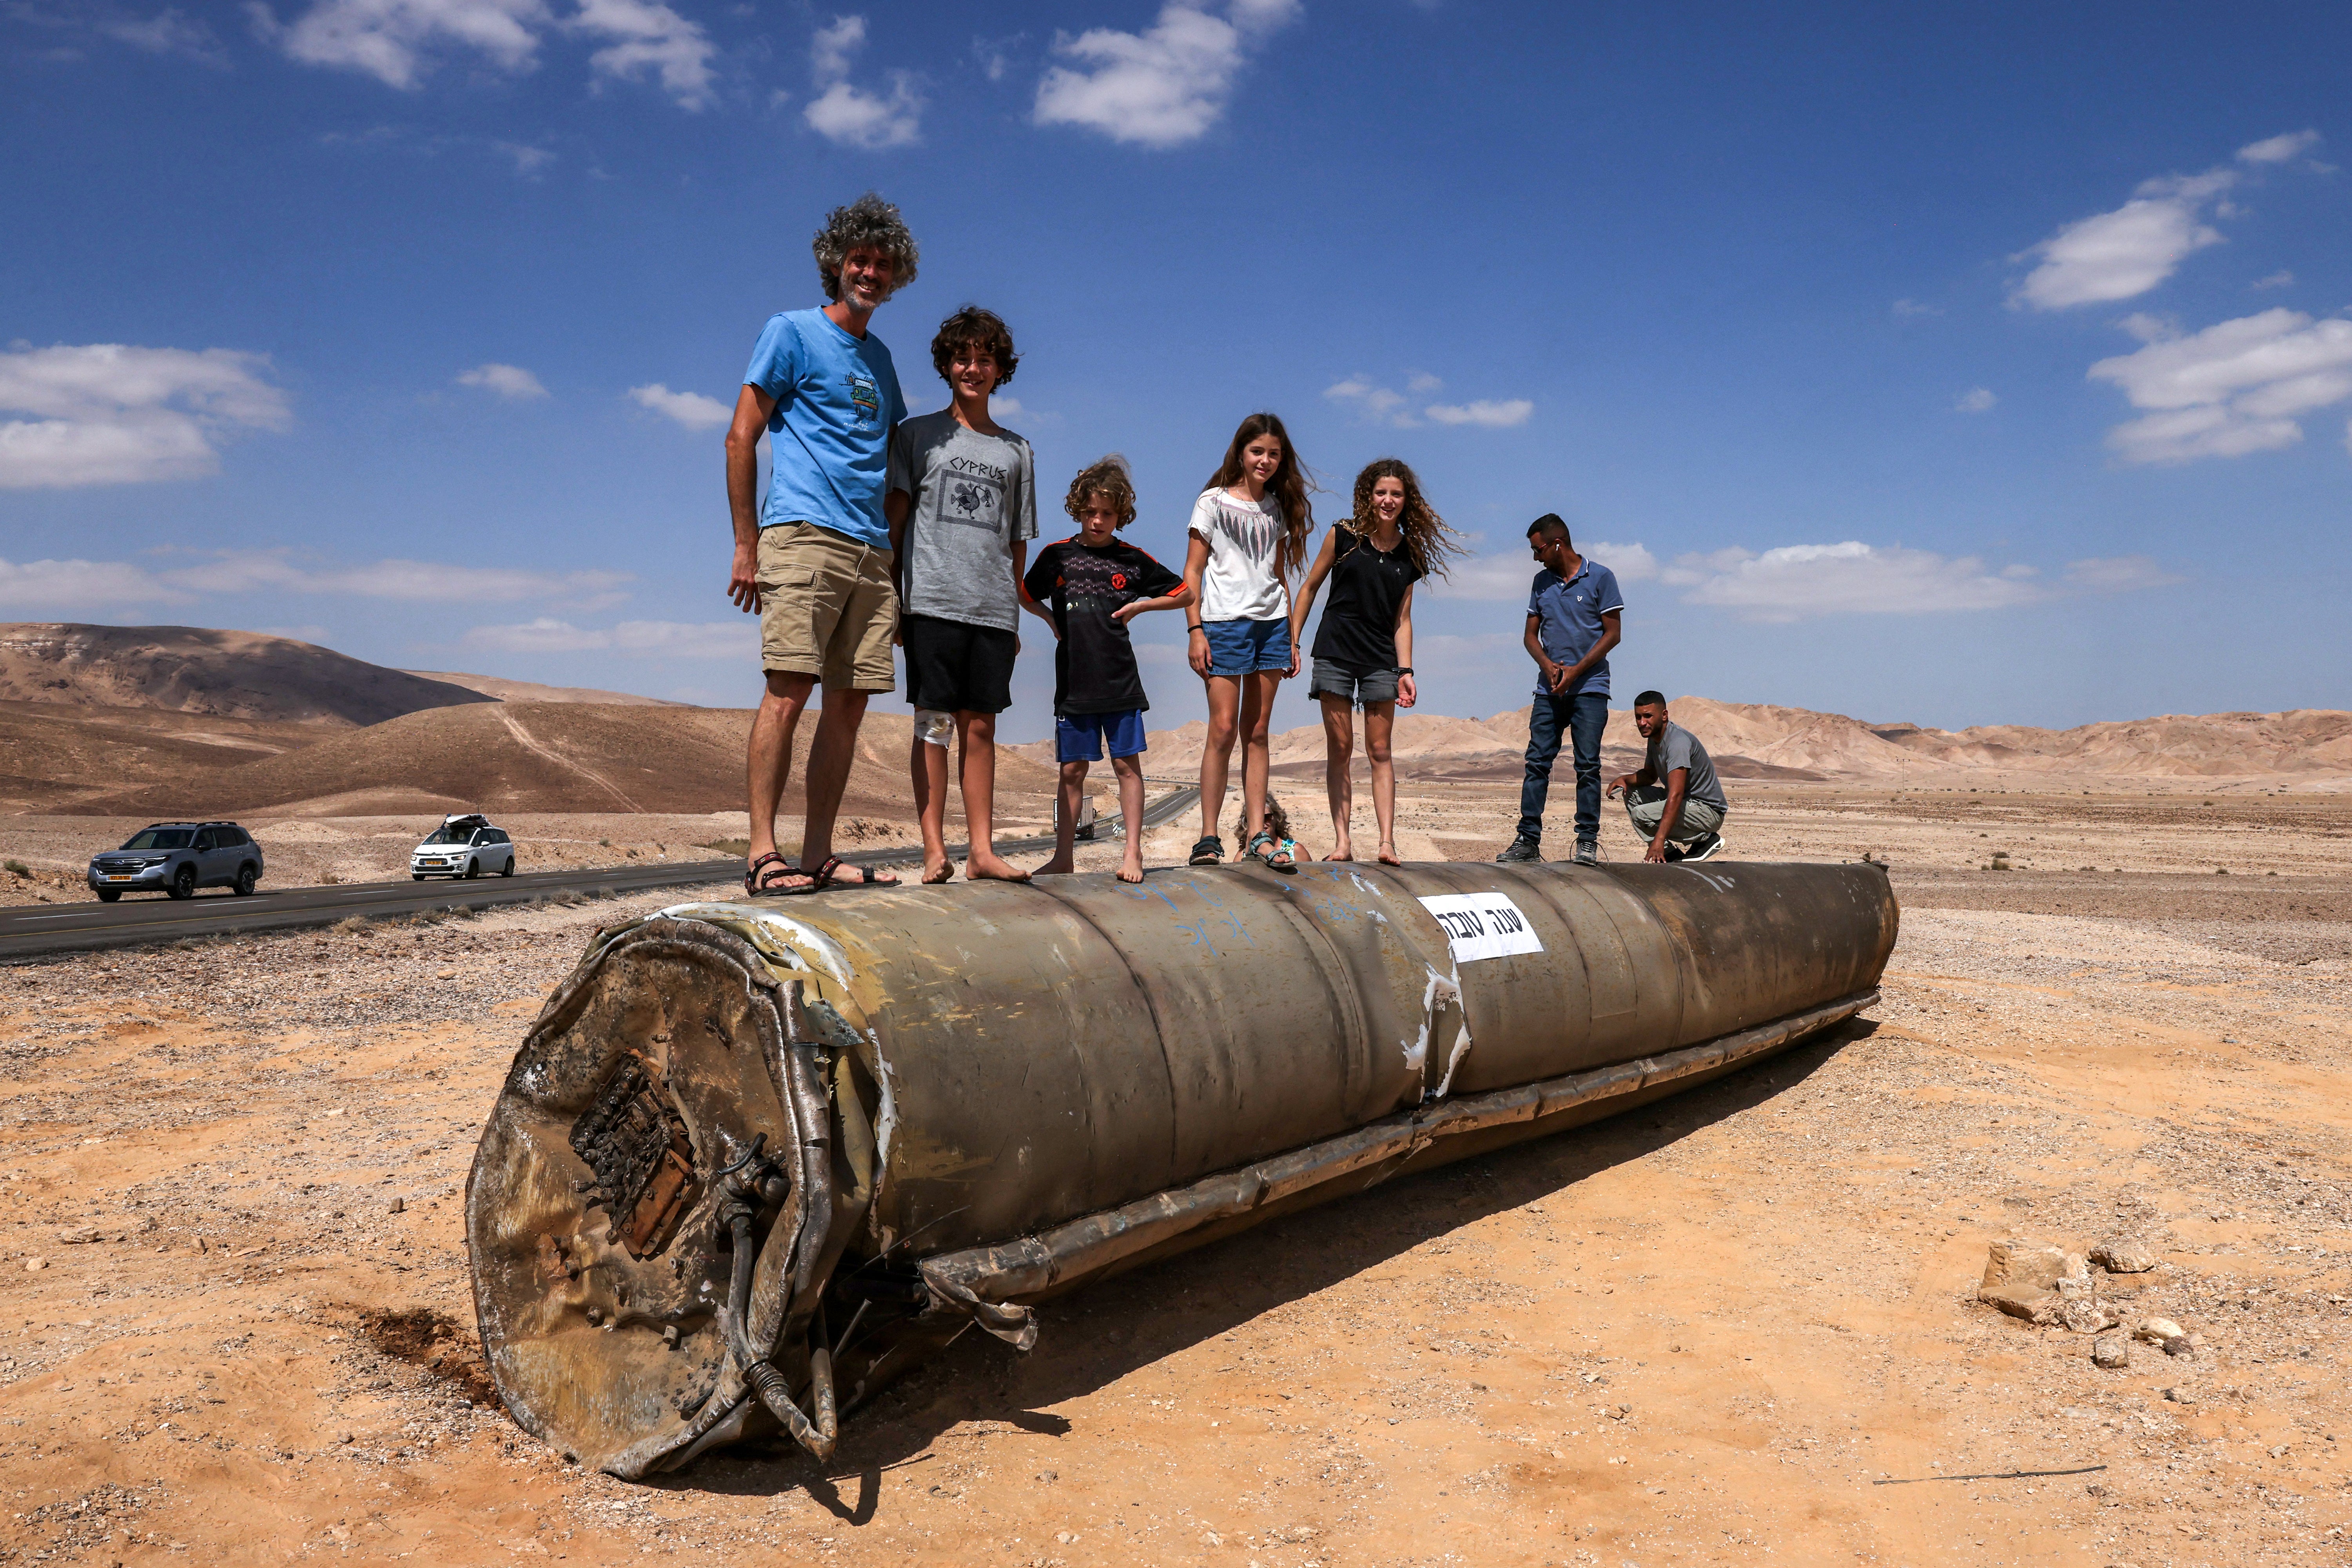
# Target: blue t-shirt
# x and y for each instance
(837, 403)
(1570, 622)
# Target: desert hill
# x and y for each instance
(54, 753)
(506, 690)
(1761, 740)
(191, 669)
(543, 757)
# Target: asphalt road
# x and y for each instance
(34, 930)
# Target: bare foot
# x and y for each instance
(1389, 855)
(942, 872)
(1342, 853)
(1059, 866)
(1130, 872)
(993, 869)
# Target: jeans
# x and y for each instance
(1584, 716)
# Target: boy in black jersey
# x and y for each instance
(1095, 584)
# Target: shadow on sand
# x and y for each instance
(1105, 1331)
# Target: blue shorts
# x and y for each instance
(1079, 737)
(1248, 647)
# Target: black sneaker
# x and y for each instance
(1702, 847)
(1521, 850)
(1587, 852)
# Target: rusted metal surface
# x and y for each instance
(898, 1113)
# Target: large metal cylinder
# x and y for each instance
(750, 1153)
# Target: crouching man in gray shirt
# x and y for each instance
(1675, 801)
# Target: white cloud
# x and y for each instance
(2120, 574)
(2278, 149)
(1909, 308)
(851, 115)
(649, 37)
(690, 409)
(2282, 278)
(1377, 403)
(1483, 411)
(1162, 86)
(510, 382)
(2128, 251)
(46, 587)
(994, 55)
(2231, 389)
(1976, 400)
(57, 586)
(167, 33)
(1798, 581)
(390, 39)
(398, 42)
(110, 413)
(737, 639)
(1380, 404)
(1505, 579)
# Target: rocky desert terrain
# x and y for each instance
(1739, 1326)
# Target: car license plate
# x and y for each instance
(117, 878)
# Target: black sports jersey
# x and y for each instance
(1094, 662)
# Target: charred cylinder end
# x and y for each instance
(635, 1207)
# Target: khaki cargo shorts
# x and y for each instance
(828, 607)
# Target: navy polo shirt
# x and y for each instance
(1569, 621)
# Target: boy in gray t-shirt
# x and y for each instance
(961, 501)
(1675, 799)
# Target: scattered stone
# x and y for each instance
(2112, 1351)
(2124, 1254)
(2085, 1317)
(2022, 1278)
(2179, 1345)
(78, 1235)
(2157, 1330)
(399, 1205)
(2179, 1395)
(35, 1265)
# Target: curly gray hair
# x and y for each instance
(869, 222)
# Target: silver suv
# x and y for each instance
(463, 845)
(178, 857)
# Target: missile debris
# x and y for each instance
(751, 1162)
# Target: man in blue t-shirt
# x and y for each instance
(814, 558)
(1573, 615)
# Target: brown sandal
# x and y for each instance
(829, 875)
(769, 877)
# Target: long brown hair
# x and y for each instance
(1289, 487)
(1428, 542)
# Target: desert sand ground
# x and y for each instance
(1736, 1326)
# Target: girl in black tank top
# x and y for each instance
(1363, 650)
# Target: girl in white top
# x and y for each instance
(1247, 540)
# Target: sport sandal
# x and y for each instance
(1209, 852)
(1267, 848)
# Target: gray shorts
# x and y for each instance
(1335, 679)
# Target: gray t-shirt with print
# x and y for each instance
(1676, 747)
(974, 497)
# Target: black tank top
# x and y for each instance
(1368, 586)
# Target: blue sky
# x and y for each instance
(1970, 368)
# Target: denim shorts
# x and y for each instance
(1333, 678)
(1248, 647)
(1079, 737)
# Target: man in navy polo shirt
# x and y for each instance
(1573, 615)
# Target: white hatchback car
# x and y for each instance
(463, 847)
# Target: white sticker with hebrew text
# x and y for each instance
(1483, 925)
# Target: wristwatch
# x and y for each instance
(1404, 669)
